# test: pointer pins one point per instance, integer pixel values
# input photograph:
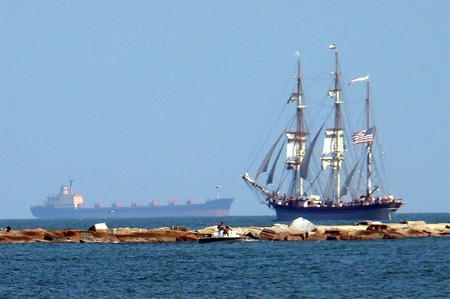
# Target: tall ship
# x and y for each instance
(343, 179)
(70, 205)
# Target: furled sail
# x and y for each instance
(265, 162)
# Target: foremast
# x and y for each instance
(295, 149)
(296, 140)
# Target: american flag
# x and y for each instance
(363, 136)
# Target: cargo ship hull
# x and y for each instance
(215, 207)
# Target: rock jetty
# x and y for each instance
(102, 234)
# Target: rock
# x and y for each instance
(86, 238)
(99, 227)
(281, 233)
(180, 228)
(267, 234)
(333, 234)
(367, 222)
(377, 226)
(316, 237)
(414, 223)
(278, 232)
(301, 225)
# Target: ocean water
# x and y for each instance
(406, 268)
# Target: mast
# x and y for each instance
(369, 144)
(338, 154)
(295, 151)
(368, 132)
(70, 185)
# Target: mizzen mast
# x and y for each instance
(368, 137)
(369, 144)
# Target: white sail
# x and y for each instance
(332, 144)
(295, 148)
(291, 147)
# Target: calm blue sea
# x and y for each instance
(407, 268)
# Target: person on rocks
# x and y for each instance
(227, 230)
(221, 227)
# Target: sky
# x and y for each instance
(165, 100)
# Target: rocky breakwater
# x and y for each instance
(299, 230)
(359, 231)
(100, 235)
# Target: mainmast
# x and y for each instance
(337, 131)
(295, 150)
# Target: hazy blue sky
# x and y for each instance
(140, 100)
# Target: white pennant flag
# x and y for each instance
(366, 78)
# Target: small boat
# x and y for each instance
(341, 181)
(223, 239)
(220, 236)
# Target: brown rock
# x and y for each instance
(377, 226)
(360, 231)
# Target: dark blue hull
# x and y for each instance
(215, 207)
(360, 212)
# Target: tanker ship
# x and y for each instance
(69, 205)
